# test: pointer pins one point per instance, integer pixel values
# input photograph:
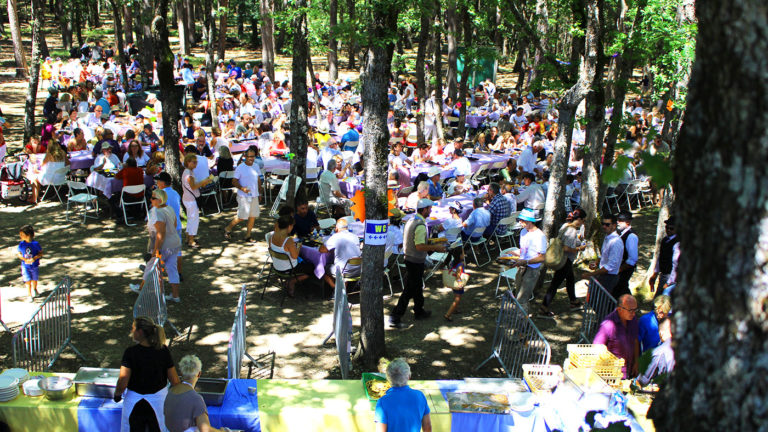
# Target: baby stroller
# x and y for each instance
(13, 184)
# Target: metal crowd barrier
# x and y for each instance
(151, 301)
(599, 304)
(342, 325)
(41, 340)
(517, 340)
(236, 350)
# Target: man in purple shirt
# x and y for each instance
(619, 331)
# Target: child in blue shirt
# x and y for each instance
(29, 253)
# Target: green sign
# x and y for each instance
(483, 66)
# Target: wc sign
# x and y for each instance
(376, 232)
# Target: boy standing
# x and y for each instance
(30, 253)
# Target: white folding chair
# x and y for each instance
(312, 178)
(268, 261)
(480, 176)
(387, 267)
(507, 274)
(78, 193)
(440, 259)
(59, 180)
(227, 175)
(478, 241)
(508, 223)
(276, 179)
(323, 192)
(142, 202)
(327, 223)
(495, 169)
(282, 194)
(213, 192)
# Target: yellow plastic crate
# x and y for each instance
(542, 378)
(595, 356)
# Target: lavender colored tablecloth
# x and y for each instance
(110, 185)
(474, 121)
(319, 260)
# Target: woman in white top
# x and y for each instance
(454, 221)
(282, 242)
(572, 236)
(137, 153)
(191, 191)
(52, 171)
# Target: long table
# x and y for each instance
(110, 185)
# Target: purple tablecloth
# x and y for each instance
(474, 121)
(482, 159)
(350, 188)
(82, 159)
(318, 260)
(110, 186)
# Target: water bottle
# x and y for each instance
(618, 405)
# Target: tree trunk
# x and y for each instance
(170, 93)
(189, 20)
(375, 141)
(333, 44)
(241, 19)
(421, 82)
(65, 23)
(664, 212)
(315, 92)
(18, 47)
(93, 14)
(120, 54)
(34, 73)
(299, 104)
(438, 69)
(210, 65)
(591, 72)
(579, 21)
(465, 74)
(451, 31)
(146, 49)
(255, 34)
(352, 47)
(223, 12)
(44, 51)
(521, 65)
(720, 321)
(268, 38)
(542, 27)
(128, 15)
(181, 25)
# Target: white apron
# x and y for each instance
(156, 400)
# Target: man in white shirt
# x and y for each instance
(532, 197)
(519, 119)
(527, 160)
(246, 180)
(106, 161)
(345, 246)
(330, 191)
(629, 259)
(611, 256)
(533, 246)
(460, 164)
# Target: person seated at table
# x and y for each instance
(148, 137)
(460, 164)
(618, 332)
(329, 152)
(648, 325)
(422, 154)
(351, 139)
(107, 140)
(50, 170)
(510, 173)
(155, 164)
(106, 161)
(131, 175)
(184, 408)
(200, 145)
(136, 153)
(402, 408)
(145, 370)
(422, 191)
(454, 221)
(34, 146)
(225, 163)
(533, 197)
(397, 158)
(460, 185)
(437, 151)
(77, 141)
(305, 220)
(345, 246)
(435, 188)
(282, 242)
(662, 358)
(331, 190)
(479, 218)
(480, 144)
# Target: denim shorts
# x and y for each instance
(29, 273)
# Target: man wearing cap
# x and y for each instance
(479, 218)
(415, 249)
(460, 185)
(666, 265)
(533, 246)
(629, 259)
(611, 256)
(351, 138)
(435, 188)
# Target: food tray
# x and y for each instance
(542, 379)
(611, 377)
(369, 377)
(595, 356)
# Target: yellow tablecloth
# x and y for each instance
(332, 405)
(39, 414)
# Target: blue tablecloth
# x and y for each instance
(240, 411)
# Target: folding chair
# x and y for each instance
(142, 202)
(495, 169)
(612, 196)
(507, 274)
(441, 258)
(213, 192)
(388, 267)
(478, 241)
(276, 179)
(508, 223)
(322, 200)
(480, 176)
(268, 261)
(282, 195)
(78, 193)
(232, 189)
(59, 180)
(327, 223)
(312, 178)
(283, 275)
(352, 278)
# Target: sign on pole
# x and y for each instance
(376, 232)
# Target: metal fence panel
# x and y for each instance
(151, 301)
(236, 349)
(40, 341)
(517, 340)
(599, 304)
(342, 325)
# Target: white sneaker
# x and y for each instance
(169, 298)
(134, 288)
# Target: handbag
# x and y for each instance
(555, 257)
(450, 279)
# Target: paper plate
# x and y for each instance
(7, 382)
(18, 373)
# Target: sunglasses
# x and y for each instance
(629, 310)
(605, 224)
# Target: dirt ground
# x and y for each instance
(102, 258)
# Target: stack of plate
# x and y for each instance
(9, 388)
(32, 388)
(21, 374)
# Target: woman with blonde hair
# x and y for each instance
(155, 164)
(164, 240)
(145, 370)
(185, 409)
(191, 190)
(50, 170)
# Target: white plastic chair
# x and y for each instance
(509, 223)
(59, 180)
(232, 189)
(278, 176)
(142, 202)
(214, 192)
(281, 195)
(507, 274)
(480, 176)
(327, 223)
(78, 193)
(312, 177)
